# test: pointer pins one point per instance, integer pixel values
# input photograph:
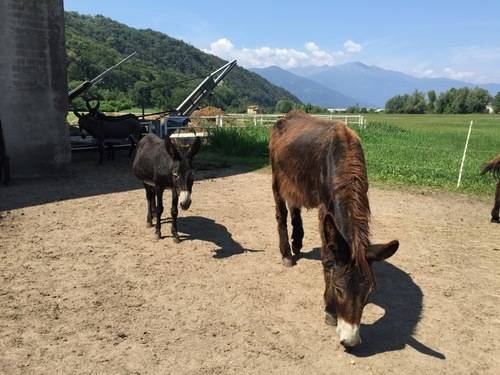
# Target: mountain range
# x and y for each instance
(307, 90)
(352, 83)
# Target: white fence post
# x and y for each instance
(463, 157)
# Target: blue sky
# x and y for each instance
(440, 38)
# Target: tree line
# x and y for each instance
(453, 101)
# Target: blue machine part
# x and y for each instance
(174, 123)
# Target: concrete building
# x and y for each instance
(33, 86)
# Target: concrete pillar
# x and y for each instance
(33, 86)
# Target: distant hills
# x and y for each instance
(307, 90)
(362, 84)
(157, 74)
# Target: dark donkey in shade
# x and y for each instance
(109, 129)
(162, 164)
(319, 163)
(493, 167)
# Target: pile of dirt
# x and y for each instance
(206, 111)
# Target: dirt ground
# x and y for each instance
(85, 288)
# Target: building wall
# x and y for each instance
(33, 86)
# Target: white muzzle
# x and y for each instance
(348, 333)
(185, 199)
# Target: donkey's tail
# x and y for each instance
(493, 167)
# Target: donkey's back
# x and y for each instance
(152, 163)
(305, 151)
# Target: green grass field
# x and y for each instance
(415, 150)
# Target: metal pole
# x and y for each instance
(463, 157)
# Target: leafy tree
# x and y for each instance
(496, 103)
(284, 106)
(431, 95)
(477, 100)
(395, 104)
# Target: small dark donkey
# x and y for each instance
(109, 129)
(319, 163)
(493, 167)
(162, 164)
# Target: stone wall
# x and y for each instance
(33, 86)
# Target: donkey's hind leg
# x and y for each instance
(495, 217)
(298, 230)
(150, 196)
(281, 218)
(159, 210)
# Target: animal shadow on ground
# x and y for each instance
(205, 229)
(401, 299)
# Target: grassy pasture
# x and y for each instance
(417, 150)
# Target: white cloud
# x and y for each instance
(453, 74)
(425, 73)
(221, 46)
(352, 47)
(284, 57)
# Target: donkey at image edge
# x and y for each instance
(493, 167)
(165, 164)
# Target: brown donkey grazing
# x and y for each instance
(493, 167)
(319, 163)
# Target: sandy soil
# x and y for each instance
(85, 287)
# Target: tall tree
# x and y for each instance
(431, 95)
(496, 103)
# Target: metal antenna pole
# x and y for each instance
(204, 88)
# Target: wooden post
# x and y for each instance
(463, 157)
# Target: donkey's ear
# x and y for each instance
(195, 147)
(171, 149)
(382, 251)
(329, 228)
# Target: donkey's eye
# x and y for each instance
(339, 292)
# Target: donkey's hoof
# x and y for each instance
(495, 220)
(296, 248)
(149, 225)
(330, 319)
(287, 262)
(176, 240)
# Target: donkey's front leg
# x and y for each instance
(298, 230)
(159, 210)
(174, 212)
(495, 218)
(281, 217)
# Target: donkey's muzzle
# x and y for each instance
(185, 200)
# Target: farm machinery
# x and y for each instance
(166, 122)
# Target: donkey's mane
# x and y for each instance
(350, 189)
